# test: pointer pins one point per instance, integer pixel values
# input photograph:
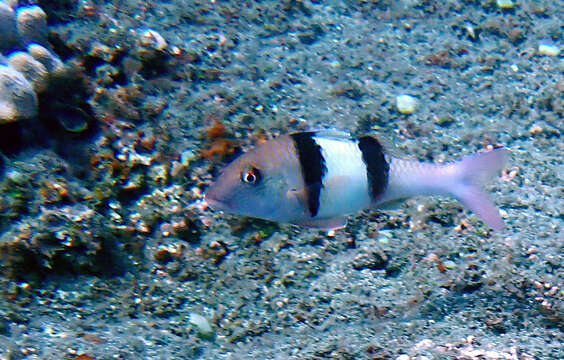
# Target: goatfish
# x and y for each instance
(317, 178)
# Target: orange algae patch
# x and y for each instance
(220, 147)
(84, 357)
(92, 338)
(218, 130)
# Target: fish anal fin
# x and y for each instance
(327, 223)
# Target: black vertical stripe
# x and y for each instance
(377, 168)
(313, 167)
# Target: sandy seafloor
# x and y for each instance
(406, 283)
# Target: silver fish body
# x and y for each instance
(318, 178)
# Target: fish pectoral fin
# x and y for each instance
(298, 194)
(326, 224)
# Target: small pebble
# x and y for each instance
(158, 174)
(470, 31)
(549, 50)
(535, 129)
(186, 157)
(424, 344)
(384, 236)
(335, 64)
(202, 325)
(505, 4)
(16, 177)
(406, 104)
(449, 264)
(153, 40)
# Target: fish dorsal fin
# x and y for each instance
(388, 143)
(333, 134)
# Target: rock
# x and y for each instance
(370, 259)
(31, 69)
(32, 24)
(8, 112)
(27, 72)
(51, 62)
(8, 28)
(17, 97)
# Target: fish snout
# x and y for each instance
(213, 199)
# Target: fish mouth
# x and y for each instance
(215, 203)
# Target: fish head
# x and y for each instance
(257, 184)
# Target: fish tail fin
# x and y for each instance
(472, 172)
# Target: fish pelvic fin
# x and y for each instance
(473, 171)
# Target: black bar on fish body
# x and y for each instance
(377, 168)
(313, 167)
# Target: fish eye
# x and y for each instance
(251, 176)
